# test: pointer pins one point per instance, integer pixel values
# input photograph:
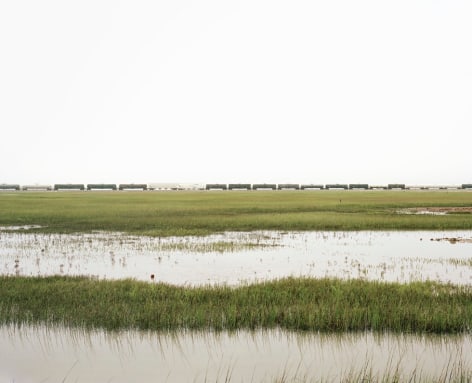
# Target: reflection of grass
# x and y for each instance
(187, 213)
(301, 304)
(295, 357)
(456, 371)
(460, 262)
(467, 262)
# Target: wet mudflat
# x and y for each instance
(243, 257)
(42, 354)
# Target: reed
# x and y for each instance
(328, 305)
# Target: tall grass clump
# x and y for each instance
(329, 305)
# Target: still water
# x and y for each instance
(42, 354)
(235, 258)
(45, 354)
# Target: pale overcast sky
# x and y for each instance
(236, 91)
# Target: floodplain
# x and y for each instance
(371, 285)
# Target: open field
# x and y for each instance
(201, 213)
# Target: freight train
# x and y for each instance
(224, 186)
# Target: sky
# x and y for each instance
(212, 91)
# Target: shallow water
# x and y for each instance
(41, 354)
(234, 258)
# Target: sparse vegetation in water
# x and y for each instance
(220, 246)
(460, 262)
(202, 213)
(227, 242)
(295, 303)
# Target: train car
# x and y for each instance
(336, 186)
(359, 186)
(69, 187)
(288, 187)
(101, 187)
(216, 187)
(9, 187)
(396, 186)
(264, 187)
(133, 187)
(311, 187)
(36, 188)
(174, 186)
(239, 187)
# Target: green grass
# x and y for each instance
(201, 213)
(297, 304)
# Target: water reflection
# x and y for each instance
(234, 258)
(34, 354)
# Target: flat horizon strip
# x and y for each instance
(200, 213)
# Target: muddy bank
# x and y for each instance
(453, 240)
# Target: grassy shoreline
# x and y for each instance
(202, 213)
(327, 305)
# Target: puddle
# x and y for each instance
(235, 258)
(437, 210)
(41, 354)
(18, 228)
(422, 212)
